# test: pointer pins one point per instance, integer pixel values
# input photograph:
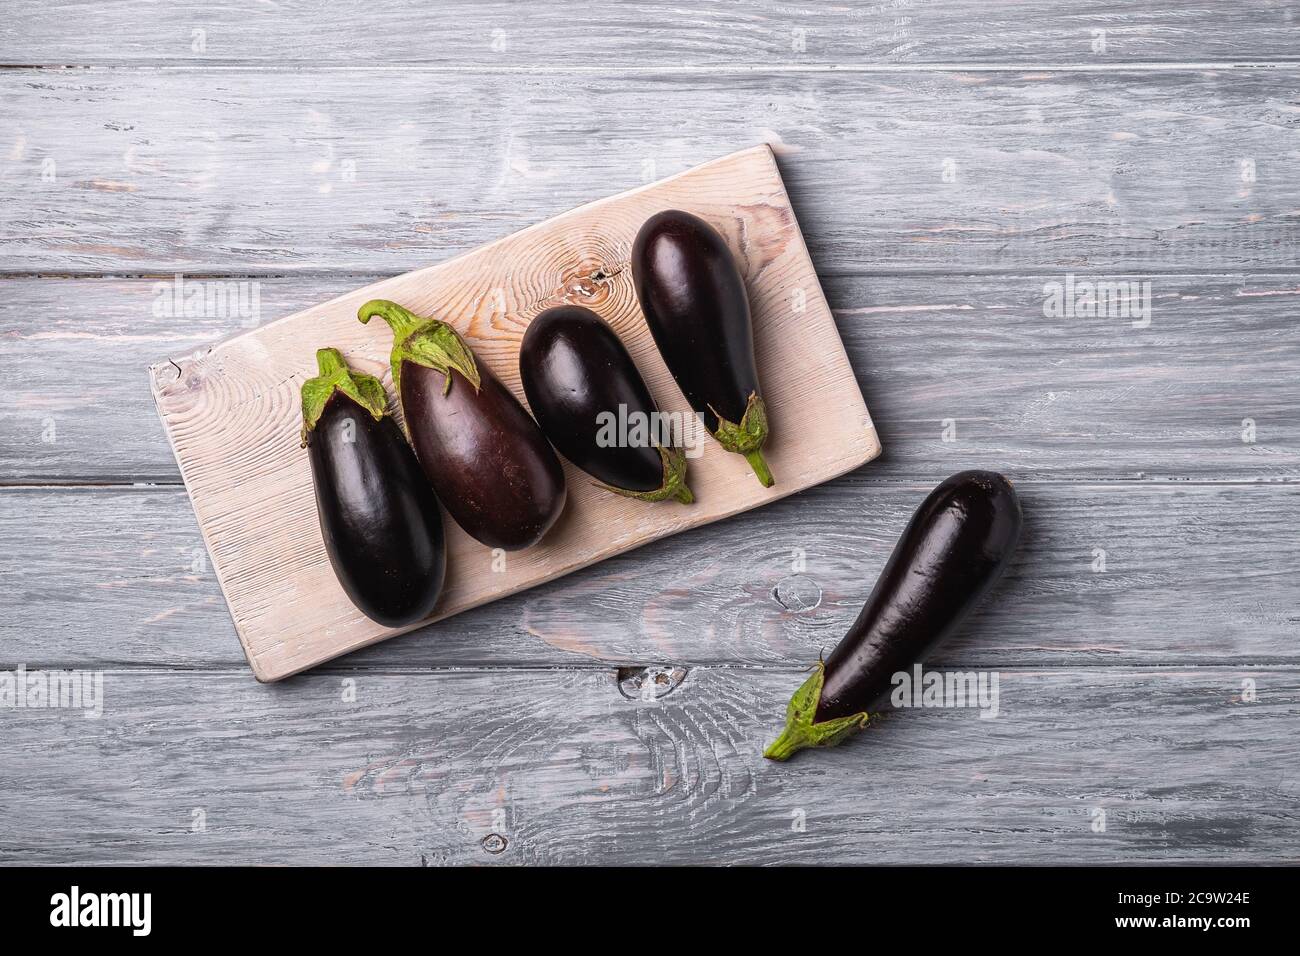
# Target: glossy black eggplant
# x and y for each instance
(593, 405)
(379, 517)
(695, 303)
(952, 551)
(491, 466)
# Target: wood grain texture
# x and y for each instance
(283, 150)
(426, 768)
(383, 171)
(1192, 573)
(499, 35)
(1040, 397)
(233, 415)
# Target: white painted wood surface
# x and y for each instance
(124, 573)
(233, 415)
(234, 171)
(715, 34)
(275, 155)
(1067, 398)
(427, 768)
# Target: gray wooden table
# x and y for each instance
(949, 161)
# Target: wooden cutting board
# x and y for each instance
(232, 412)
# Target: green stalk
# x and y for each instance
(784, 747)
(747, 436)
(366, 390)
(801, 726)
(424, 341)
(674, 485)
(755, 459)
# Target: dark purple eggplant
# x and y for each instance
(952, 551)
(378, 516)
(579, 379)
(491, 466)
(695, 303)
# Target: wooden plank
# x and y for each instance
(1077, 397)
(1192, 574)
(384, 171)
(76, 397)
(501, 35)
(233, 416)
(224, 169)
(565, 769)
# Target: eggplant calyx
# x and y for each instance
(425, 341)
(366, 390)
(747, 437)
(801, 728)
(674, 485)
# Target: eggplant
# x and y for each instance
(955, 547)
(491, 466)
(379, 517)
(579, 379)
(695, 303)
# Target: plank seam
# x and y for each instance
(675, 69)
(390, 670)
(1187, 272)
(173, 485)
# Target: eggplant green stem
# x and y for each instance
(424, 341)
(784, 747)
(329, 362)
(366, 390)
(674, 485)
(747, 436)
(801, 726)
(399, 318)
(755, 459)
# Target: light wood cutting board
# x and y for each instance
(232, 412)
